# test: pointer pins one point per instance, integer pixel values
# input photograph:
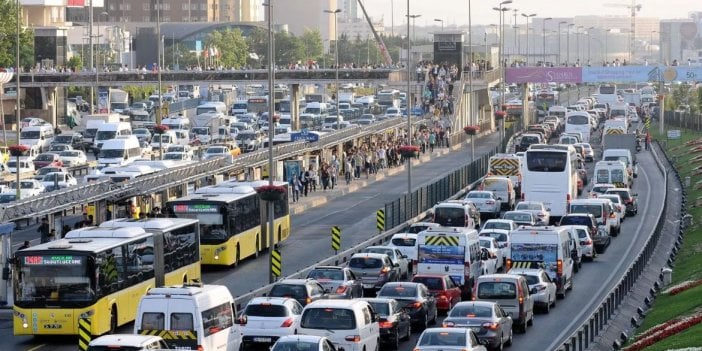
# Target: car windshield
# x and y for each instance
(174, 156)
(463, 311)
(111, 153)
(518, 217)
(365, 262)
(485, 243)
(216, 150)
(595, 210)
(176, 148)
(57, 148)
(53, 177)
(622, 193)
(433, 283)
(576, 220)
(450, 216)
(328, 319)
(245, 136)
(582, 233)
(453, 338)
(288, 290)
(497, 290)
(23, 185)
(266, 310)
(45, 157)
(501, 237)
(69, 153)
(531, 279)
(296, 345)
(416, 229)
(523, 206)
(614, 199)
(326, 274)
(398, 291)
(381, 308)
(5, 198)
(476, 195)
(105, 135)
(404, 242)
(497, 225)
(379, 250)
(30, 135)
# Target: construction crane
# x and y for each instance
(381, 45)
(633, 7)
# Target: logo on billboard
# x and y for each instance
(447, 46)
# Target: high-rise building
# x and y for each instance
(311, 15)
(680, 39)
(145, 11)
(349, 10)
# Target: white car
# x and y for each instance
(396, 256)
(504, 224)
(72, 158)
(491, 244)
(181, 148)
(618, 204)
(265, 319)
(537, 208)
(177, 156)
(599, 189)
(448, 339)
(393, 112)
(407, 244)
(25, 166)
(486, 202)
(541, 287)
(63, 180)
(501, 237)
(586, 243)
(58, 148)
(28, 187)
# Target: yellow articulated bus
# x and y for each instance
(230, 215)
(99, 273)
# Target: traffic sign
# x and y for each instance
(336, 238)
(674, 134)
(380, 220)
(276, 263)
(647, 123)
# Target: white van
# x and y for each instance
(625, 156)
(503, 188)
(453, 214)
(453, 251)
(174, 123)
(119, 152)
(107, 131)
(613, 172)
(544, 247)
(348, 324)
(211, 106)
(164, 140)
(199, 317)
(41, 136)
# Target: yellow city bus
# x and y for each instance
(230, 215)
(100, 273)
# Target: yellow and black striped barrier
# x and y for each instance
(441, 240)
(170, 334)
(380, 220)
(647, 123)
(276, 263)
(336, 238)
(84, 335)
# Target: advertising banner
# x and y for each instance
(543, 75)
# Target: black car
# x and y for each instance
(600, 237)
(395, 323)
(415, 299)
(629, 199)
(303, 290)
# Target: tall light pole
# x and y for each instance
(336, 61)
(409, 100)
(501, 12)
(442, 23)
(93, 101)
(589, 37)
(414, 26)
(560, 63)
(18, 119)
(527, 34)
(471, 116)
(159, 116)
(543, 31)
(606, 53)
(271, 134)
(568, 43)
(577, 41)
(392, 18)
(516, 28)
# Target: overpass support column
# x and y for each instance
(526, 118)
(53, 106)
(295, 107)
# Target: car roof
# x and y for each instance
(526, 271)
(369, 255)
(329, 268)
(132, 340)
(476, 302)
(301, 337)
(270, 300)
(294, 281)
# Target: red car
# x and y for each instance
(446, 291)
(47, 159)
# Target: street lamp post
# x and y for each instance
(527, 34)
(271, 134)
(336, 64)
(559, 42)
(516, 51)
(589, 37)
(414, 26)
(606, 53)
(18, 101)
(543, 31)
(501, 11)
(650, 45)
(471, 115)
(442, 23)
(577, 41)
(409, 100)
(568, 43)
(159, 116)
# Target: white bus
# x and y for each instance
(578, 121)
(607, 93)
(389, 98)
(550, 176)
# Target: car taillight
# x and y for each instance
(559, 265)
(308, 300)
(491, 325)
(384, 270)
(448, 324)
(288, 322)
(341, 289)
(415, 305)
(568, 199)
(586, 242)
(200, 348)
(509, 264)
(353, 338)
(385, 324)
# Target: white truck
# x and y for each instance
(89, 124)
(206, 126)
(119, 101)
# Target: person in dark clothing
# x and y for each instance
(26, 245)
(45, 231)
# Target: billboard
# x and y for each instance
(544, 75)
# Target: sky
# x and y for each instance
(456, 11)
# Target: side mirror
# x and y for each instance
(396, 265)
(533, 291)
(242, 320)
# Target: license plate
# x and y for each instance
(368, 286)
(259, 339)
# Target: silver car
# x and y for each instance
(396, 256)
(586, 243)
(490, 323)
(541, 287)
(341, 282)
(538, 208)
(486, 201)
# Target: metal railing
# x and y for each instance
(584, 336)
(58, 201)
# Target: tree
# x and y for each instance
(258, 44)
(311, 41)
(231, 47)
(75, 63)
(288, 49)
(180, 54)
(8, 33)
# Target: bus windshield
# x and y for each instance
(546, 161)
(46, 279)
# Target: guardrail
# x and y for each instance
(585, 335)
(75, 196)
(384, 236)
(183, 105)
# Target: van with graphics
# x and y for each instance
(507, 165)
(452, 251)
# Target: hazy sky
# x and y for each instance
(456, 11)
